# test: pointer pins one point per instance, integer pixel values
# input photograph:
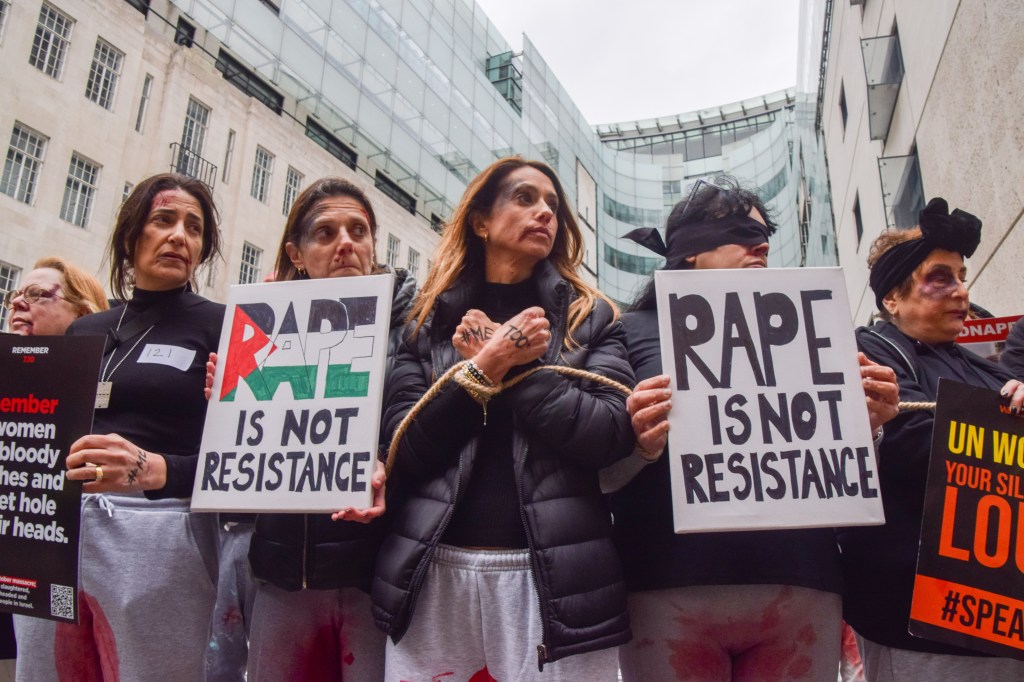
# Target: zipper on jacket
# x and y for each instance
(542, 649)
(417, 582)
(305, 547)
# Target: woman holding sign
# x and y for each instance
(499, 529)
(147, 564)
(918, 278)
(717, 606)
(311, 617)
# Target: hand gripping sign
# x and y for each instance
(293, 422)
(769, 427)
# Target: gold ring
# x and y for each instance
(99, 473)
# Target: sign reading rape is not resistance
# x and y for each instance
(294, 418)
(769, 426)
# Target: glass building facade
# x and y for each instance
(426, 93)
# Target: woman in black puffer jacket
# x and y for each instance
(499, 527)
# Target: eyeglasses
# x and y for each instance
(31, 294)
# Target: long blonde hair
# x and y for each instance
(461, 248)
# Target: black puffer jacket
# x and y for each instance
(565, 430)
(309, 551)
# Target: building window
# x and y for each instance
(53, 35)
(140, 117)
(5, 9)
(24, 159)
(127, 191)
(188, 156)
(902, 190)
(248, 82)
(229, 151)
(332, 144)
(79, 190)
(261, 171)
(8, 282)
(414, 262)
(436, 223)
(393, 246)
(106, 69)
(857, 220)
(292, 186)
(842, 106)
(396, 193)
(627, 262)
(251, 259)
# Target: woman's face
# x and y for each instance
(338, 242)
(520, 230)
(48, 316)
(171, 242)
(934, 309)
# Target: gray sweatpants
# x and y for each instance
(477, 618)
(886, 664)
(723, 633)
(147, 576)
(314, 635)
(228, 650)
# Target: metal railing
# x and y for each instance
(187, 162)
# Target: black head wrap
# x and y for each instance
(958, 231)
(688, 239)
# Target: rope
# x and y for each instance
(917, 406)
(454, 373)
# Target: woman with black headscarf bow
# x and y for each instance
(918, 278)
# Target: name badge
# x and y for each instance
(173, 356)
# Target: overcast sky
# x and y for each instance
(622, 60)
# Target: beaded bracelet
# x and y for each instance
(474, 372)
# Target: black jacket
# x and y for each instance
(655, 557)
(310, 551)
(1013, 354)
(879, 562)
(565, 431)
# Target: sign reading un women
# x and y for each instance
(769, 426)
(294, 418)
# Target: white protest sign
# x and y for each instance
(769, 427)
(294, 418)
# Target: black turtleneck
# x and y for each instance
(487, 513)
(158, 407)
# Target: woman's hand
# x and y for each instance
(110, 463)
(648, 406)
(378, 481)
(211, 369)
(880, 390)
(1014, 390)
(522, 339)
(473, 332)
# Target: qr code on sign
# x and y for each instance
(62, 601)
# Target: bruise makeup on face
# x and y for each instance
(940, 282)
(511, 188)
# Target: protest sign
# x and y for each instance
(968, 589)
(46, 403)
(294, 418)
(769, 427)
(986, 336)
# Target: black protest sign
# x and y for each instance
(46, 404)
(969, 587)
(769, 426)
